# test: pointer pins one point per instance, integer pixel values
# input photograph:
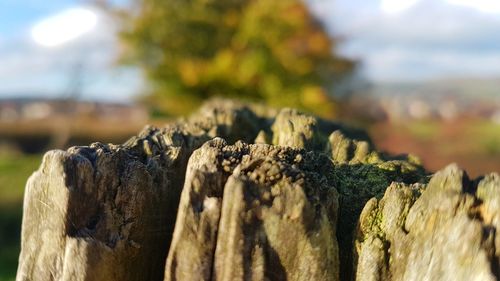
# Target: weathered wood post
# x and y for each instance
(241, 192)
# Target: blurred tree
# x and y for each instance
(273, 51)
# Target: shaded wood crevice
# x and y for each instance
(244, 192)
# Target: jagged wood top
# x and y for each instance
(239, 192)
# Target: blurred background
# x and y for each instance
(422, 76)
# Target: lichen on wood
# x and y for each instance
(245, 192)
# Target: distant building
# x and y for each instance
(495, 117)
(419, 109)
(448, 110)
(39, 109)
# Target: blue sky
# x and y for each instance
(396, 40)
(28, 69)
(431, 39)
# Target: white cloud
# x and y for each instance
(431, 38)
(63, 27)
(396, 6)
(485, 6)
(387, 65)
(30, 69)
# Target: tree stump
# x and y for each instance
(244, 192)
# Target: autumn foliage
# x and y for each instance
(272, 51)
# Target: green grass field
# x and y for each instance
(14, 171)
